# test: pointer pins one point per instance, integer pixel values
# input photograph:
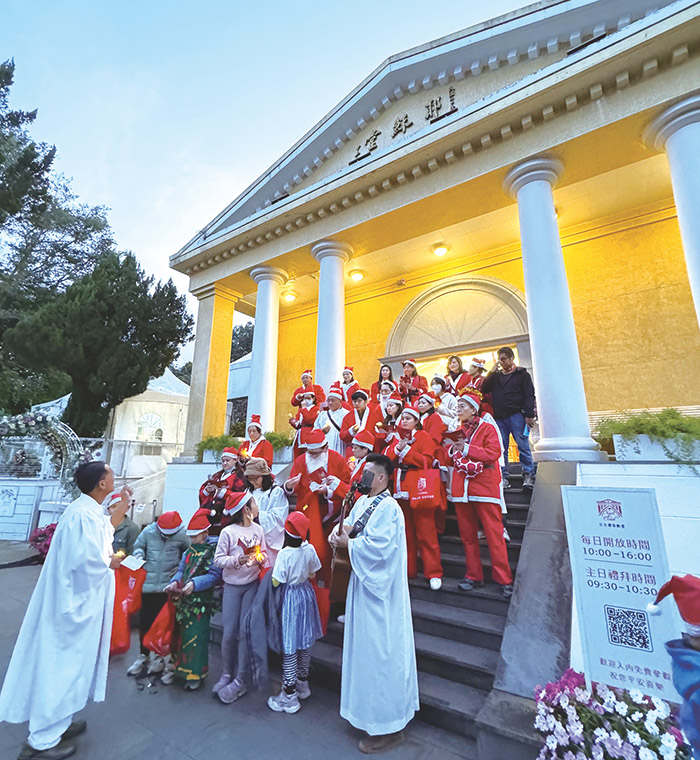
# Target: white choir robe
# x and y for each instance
(379, 685)
(61, 655)
(273, 506)
(333, 435)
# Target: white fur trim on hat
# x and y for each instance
(363, 444)
(471, 401)
(311, 446)
(411, 410)
(170, 531)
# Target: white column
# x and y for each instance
(330, 331)
(677, 130)
(561, 401)
(262, 393)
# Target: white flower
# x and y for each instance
(582, 695)
(651, 726)
(561, 735)
(550, 722)
(668, 753)
(646, 754)
(636, 696)
(621, 708)
(541, 723)
(600, 734)
(669, 740)
(661, 707)
(634, 738)
(552, 743)
(636, 716)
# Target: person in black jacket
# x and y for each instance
(513, 401)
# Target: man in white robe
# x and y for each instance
(331, 420)
(379, 685)
(61, 655)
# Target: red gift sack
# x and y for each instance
(127, 600)
(159, 638)
(424, 488)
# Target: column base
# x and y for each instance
(568, 450)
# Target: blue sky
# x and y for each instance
(164, 110)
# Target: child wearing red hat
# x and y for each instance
(192, 588)
(296, 564)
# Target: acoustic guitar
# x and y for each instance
(340, 563)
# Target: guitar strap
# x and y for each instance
(359, 526)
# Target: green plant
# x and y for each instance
(660, 427)
(279, 440)
(238, 429)
(216, 443)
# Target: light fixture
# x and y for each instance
(440, 249)
(289, 296)
(357, 275)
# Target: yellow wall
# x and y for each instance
(638, 334)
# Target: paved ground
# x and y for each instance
(167, 723)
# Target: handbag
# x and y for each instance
(424, 488)
(127, 600)
(159, 638)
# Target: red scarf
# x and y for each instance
(470, 427)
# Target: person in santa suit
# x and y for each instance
(414, 449)
(362, 444)
(386, 389)
(411, 384)
(255, 445)
(385, 429)
(349, 384)
(360, 418)
(213, 492)
(478, 499)
(330, 420)
(477, 370)
(446, 403)
(385, 373)
(307, 384)
(431, 421)
(320, 479)
(456, 378)
(304, 420)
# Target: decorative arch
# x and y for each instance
(459, 312)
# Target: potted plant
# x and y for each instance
(653, 436)
(281, 445)
(606, 723)
(209, 449)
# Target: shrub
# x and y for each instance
(279, 440)
(216, 443)
(40, 540)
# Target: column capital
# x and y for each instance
(539, 168)
(218, 290)
(325, 248)
(671, 120)
(258, 274)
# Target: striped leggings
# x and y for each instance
(295, 667)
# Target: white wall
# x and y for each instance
(18, 499)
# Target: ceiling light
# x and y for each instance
(357, 275)
(289, 296)
(440, 249)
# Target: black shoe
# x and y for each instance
(507, 590)
(468, 584)
(76, 728)
(528, 480)
(60, 751)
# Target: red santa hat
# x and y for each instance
(360, 392)
(351, 370)
(365, 439)
(255, 422)
(230, 452)
(472, 397)
(297, 525)
(169, 523)
(335, 392)
(476, 362)
(390, 383)
(408, 409)
(235, 501)
(112, 500)
(199, 522)
(428, 396)
(439, 379)
(686, 592)
(395, 399)
(412, 362)
(314, 439)
(307, 372)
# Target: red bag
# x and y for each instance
(423, 488)
(127, 600)
(159, 638)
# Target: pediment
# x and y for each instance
(418, 92)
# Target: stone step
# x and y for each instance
(482, 629)
(453, 545)
(488, 598)
(443, 703)
(453, 564)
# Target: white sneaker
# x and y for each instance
(284, 702)
(156, 663)
(436, 584)
(303, 690)
(168, 674)
(506, 535)
(137, 666)
(224, 680)
(480, 536)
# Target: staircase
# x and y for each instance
(457, 634)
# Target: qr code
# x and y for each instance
(628, 628)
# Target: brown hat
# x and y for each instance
(257, 466)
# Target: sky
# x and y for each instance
(164, 111)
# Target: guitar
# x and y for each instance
(340, 563)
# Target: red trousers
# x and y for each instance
(469, 515)
(421, 536)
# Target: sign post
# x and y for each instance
(618, 563)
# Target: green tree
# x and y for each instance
(184, 373)
(241, 340)
(110, 331)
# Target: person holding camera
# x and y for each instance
(379, 682)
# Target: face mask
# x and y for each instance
(436, 388)
(366, 481)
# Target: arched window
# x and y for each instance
(149, 428)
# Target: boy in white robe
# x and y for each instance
(61, 656)
(379, 686)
